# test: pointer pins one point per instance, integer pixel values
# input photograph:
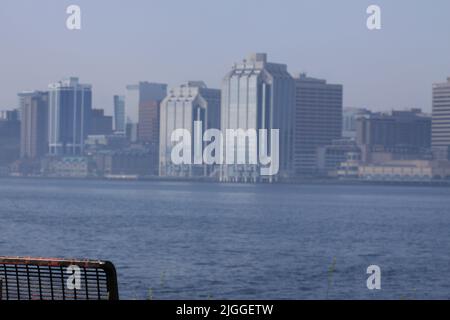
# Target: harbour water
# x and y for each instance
(181, 240)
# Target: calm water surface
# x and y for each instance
(193, 241)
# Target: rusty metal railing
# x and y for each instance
(57, 279)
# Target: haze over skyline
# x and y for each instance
(173, 41)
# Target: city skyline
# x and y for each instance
(387, 61)
(255, 94)
(230, 150)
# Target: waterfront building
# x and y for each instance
(330, 157)
(34, 124)
(318, 120)
(66, 167)
(136, 162)
(257, 94)
(183, 106)
(70, 105)
(406, 170)
(441, 119)
(349, 169)
(402, 133)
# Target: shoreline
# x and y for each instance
(305, 181)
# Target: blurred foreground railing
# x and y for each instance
(57, 279)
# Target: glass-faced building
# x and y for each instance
(258, 95)
(182, 107)
(119, 115)
(70, 105)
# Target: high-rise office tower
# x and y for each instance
(441, 118)
(151, 95)
(257, 94)
(318, 120)
(182, 107)
(141, 107)
(70, 105)
(34, 124)
(119, 115)
(148, 129)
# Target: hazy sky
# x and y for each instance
(173, 41)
